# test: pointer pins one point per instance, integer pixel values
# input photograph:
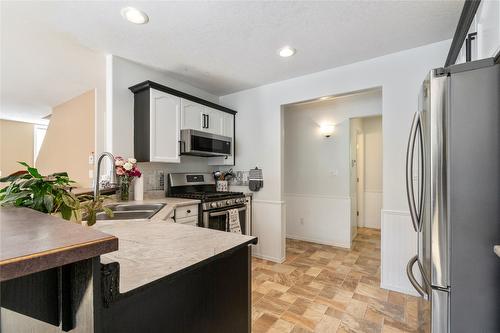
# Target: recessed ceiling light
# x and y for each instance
(134, 15)
(286, 51)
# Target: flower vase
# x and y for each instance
(124, 190)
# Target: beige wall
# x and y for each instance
(70, 139)
(16, 144)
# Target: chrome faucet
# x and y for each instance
(98, 171)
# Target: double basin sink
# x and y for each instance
(131, 211)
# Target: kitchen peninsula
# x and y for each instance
(164, 277)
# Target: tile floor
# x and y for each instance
(321, 288)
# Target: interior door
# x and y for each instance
(354, 181)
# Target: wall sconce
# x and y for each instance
(326, 130)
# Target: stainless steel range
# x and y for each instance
(214, 205)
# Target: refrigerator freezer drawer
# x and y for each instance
(440, 308)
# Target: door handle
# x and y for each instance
(204, 121)
(225, 212)
(409, 171)
(411, 277)
(208, 121)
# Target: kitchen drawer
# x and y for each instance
(188, 221)
(186, 211)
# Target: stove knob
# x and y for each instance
(213, 204)
(239, 200)
(219, 204)
(228, 202)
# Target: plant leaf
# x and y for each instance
(34, 172)
(66, 212)
(14, 197)
(48, 201)
(14, 176)
(108, 211)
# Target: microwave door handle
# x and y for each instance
(411, 277)
(409, 171)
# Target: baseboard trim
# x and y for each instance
(273, 259)
(407, 291)
(270, 202)
(318, 241)
(395, 212)
(322, 196)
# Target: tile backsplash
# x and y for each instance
(155, 173)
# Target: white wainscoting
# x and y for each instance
(398, 245)
(269, 226)
(373, 207)
(319, 218)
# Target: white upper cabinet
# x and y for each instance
(201, 118)
(488, 29)
(192, 115)
(228, 125)
(214, 121)
(483, 35)
(160, 113)
(165, 119)
(227, 129)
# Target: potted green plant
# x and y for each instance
(48, 194)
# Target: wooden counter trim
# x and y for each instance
(62, 248)
(20, 266)
(31, 241)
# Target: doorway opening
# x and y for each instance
(365, 172)
(324, 139)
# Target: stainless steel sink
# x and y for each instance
(135, 207)
(131, 211)
(131, 215)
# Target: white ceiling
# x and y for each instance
(221, 47)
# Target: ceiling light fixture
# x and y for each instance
(134, 15)
(286, 51)
(324, 98)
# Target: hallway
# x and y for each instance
(321, 288)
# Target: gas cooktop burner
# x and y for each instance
(207, 196)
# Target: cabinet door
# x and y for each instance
(192, 115)
(488, 29)
(227, 129)
(228, 125)
(165, 120)
(215, 121)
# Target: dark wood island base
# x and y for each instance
(214, 297)
(66, 286)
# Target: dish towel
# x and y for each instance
(233, 216)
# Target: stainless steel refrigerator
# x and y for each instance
(453, 187)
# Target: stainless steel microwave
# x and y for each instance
(198, 143)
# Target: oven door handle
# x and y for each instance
(225, 212)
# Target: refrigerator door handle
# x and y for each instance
(409, 171)
(411, 277)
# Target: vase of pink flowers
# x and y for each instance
(126, 170)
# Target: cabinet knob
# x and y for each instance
(189, 211)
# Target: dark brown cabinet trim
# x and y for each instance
(150, 84)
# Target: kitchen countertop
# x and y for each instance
(31, 241)
(496, 249)
(152, 249)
